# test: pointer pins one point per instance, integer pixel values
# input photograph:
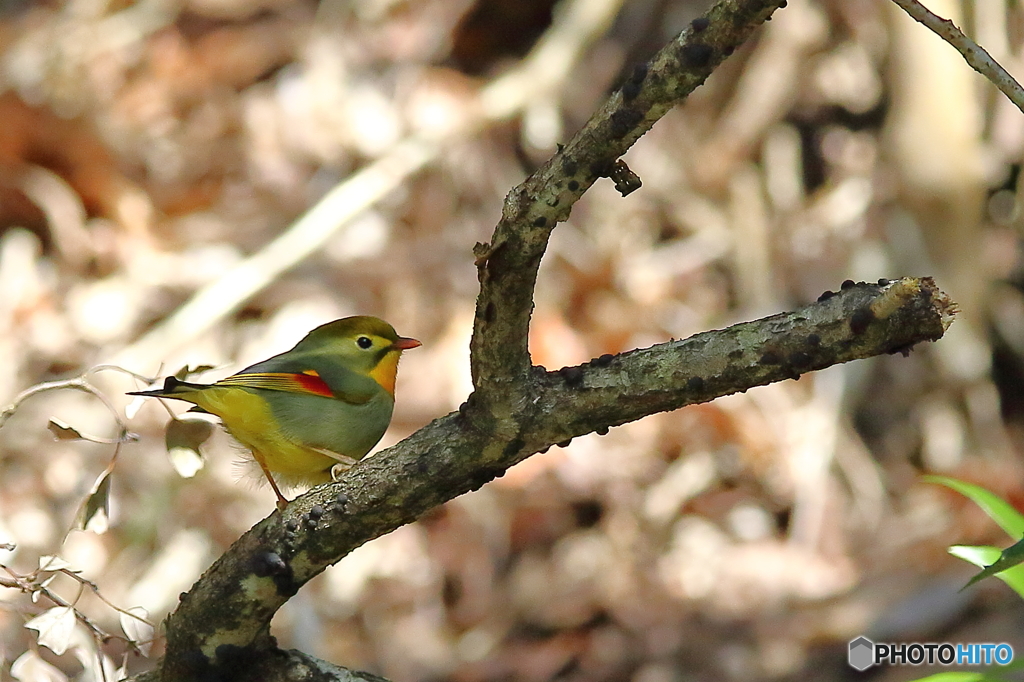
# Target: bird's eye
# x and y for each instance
(364, 342)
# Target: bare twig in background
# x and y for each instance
(79, 383)
(975, 55)
(37, 584)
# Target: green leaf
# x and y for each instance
(989, 559)
(999, 510)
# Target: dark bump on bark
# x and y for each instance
(903, 350)
(265, 564)
(341, 500)
(564, 443)
(291, 525)
(825, 296)
(601, 168)
(848, 284)
(770, 357)
(799, 359)
(601, 430)
(695, 384)
(700, 24)
(271, 565)
(569, 166)
(623, 120)
(310, 522)
(728, 50)
(631, 88)
(483, 477)
(604, 360)
(860, 320)
(883, 282)
(573, 186)
(316, 511)
(198, 666)
(541, 221)
(514, 446)
(489, 313)
(696, 55)
(573, 376)
(232, 659)
(735, 354)
(813, 340)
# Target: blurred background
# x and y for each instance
(151, 153)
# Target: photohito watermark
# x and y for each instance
(863, 653)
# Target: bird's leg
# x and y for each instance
(282, 501)
(344, 462)
(341, 467)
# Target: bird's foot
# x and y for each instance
(338, 469)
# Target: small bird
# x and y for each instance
(310, 413)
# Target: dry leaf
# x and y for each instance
(55, 627)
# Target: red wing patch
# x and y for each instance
(307, 382)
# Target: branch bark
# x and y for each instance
(221, 625)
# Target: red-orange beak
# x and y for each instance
(405, 343)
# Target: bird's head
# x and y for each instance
(364, 344)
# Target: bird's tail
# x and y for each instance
(173, 388)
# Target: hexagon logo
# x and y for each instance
(861, 655)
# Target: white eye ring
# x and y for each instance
(364, 342)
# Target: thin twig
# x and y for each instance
(79, 383)
(96, 591)
(975, 55)
(30, 586)
(30, 583)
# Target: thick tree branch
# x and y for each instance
(225, 616)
